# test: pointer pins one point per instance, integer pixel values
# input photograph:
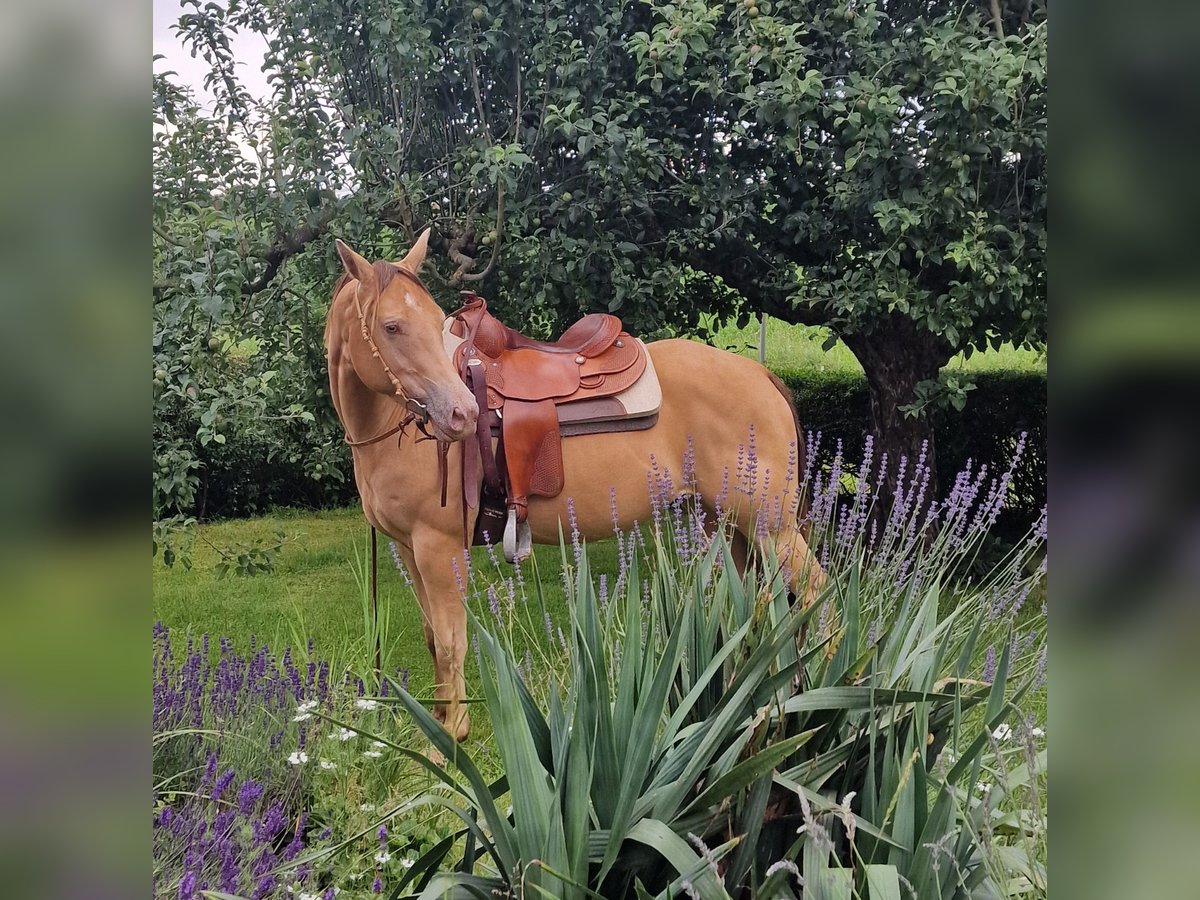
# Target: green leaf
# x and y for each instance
(883, 882)
(681, 856)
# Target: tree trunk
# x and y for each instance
(895, 358)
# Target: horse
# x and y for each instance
(388, 363)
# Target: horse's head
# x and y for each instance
(400, 322)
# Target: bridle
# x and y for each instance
(417, 411)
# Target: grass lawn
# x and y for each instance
(317, 591)
(799, 347)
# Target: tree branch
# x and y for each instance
(462, 274)
(768, 298)
(285, 246)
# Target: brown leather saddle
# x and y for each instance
(529, 394)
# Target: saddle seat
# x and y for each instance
(531, 394)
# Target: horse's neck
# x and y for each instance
(364, 413)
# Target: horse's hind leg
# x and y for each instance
(805, 575)
(792, 553)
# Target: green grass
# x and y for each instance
(314, 590)
(798, 347)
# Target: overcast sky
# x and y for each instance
(248, 50)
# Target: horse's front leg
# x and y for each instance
(435, 555)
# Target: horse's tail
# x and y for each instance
(801, 449)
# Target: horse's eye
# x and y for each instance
(391, 328)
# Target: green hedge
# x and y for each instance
(1003, 405)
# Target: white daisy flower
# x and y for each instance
(367, 807)
(383, 857)
(378, 744)
(408, 863)
(305, 895)
(1002, 732)
(364, 703)
(983, 787)
(1038, 732)
(372, 754)
(301, 717)
(326, 764)
(342, 734)
(306, 706)
(298, 758)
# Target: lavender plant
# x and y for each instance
(250, 775)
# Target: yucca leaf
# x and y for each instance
(749, 826)
(730, 712)
(531, 795)
(706, 864)
(682, 857)
(687, 704)
(850, 603)
(426, 865)
(883, 882)
(644, 732)
(777, 885)
(825, 883)
(481, 795)
(858, 697)
(458, 886)
(927, 866)
(821, 803)
(747, 771)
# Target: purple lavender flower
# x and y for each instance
(222, 783)
(187, 885)
(400, 567)
(265, 886)
(989, 663)
(458, 578)
(270, 824)
(377, 885)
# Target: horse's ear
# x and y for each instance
(356, 266)
(416, 255)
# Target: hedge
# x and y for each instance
(243, 479)
(1003, 405)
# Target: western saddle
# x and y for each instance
(531, 394)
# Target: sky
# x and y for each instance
(248, 49)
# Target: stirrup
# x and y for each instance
(518, 539)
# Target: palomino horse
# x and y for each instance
(384, 341)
